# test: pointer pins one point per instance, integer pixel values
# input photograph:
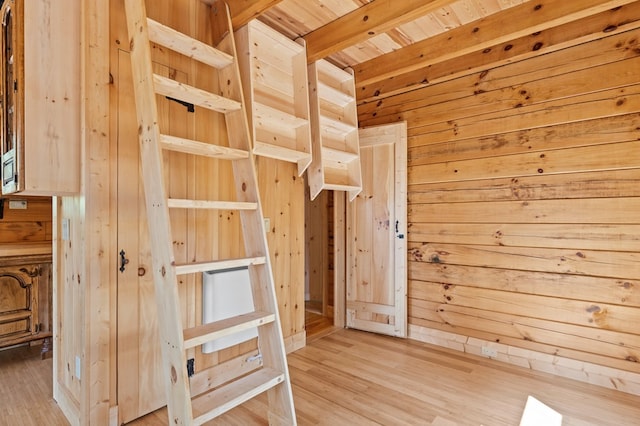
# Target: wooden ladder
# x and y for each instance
(273, 375)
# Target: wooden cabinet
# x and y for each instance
(40, 96)
(334, 130)
(25, 299)
(274, 80)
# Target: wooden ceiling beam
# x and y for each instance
(242, 11)
(365, 22)
(372, 99)
(513, 23)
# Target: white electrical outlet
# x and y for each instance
(18, 204)
(78, 367)
(490, 352)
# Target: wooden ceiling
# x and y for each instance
(395, 46)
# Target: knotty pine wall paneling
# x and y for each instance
(524, 193)
(83, 374)
(29, 225)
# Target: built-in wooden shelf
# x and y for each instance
(334, 129)
(274, 80)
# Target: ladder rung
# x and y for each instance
(218, 265)
(210, 405)
(175, 203)
(184, 92)
(190, 47)
(214, 330)
(188, 146)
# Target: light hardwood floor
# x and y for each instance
(317, 326)
(356, 378)
(26, 388)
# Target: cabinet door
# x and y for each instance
(40, 75)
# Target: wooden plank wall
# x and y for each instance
(83, 268)
(316, 244)
(320, 246)
(282, 193)
(524, 193)
(30, 225)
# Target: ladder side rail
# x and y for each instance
(270, 336)
(172, 345)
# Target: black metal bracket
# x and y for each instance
(190, 107)
(2, 208)
(123, 260)
(191, 367)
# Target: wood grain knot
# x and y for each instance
(174, 375)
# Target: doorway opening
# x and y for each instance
(319, 265)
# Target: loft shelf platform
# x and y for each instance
(275, 85)
(334, 128)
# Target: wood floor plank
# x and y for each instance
(357, 378)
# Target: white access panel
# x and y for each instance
(225, 294)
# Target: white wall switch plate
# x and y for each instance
(78, 367)
(66, 229)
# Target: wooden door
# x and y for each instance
(376, 294)
(139, 364)
(138, 343)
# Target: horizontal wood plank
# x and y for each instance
(525, 351)
(364, 22)
(617, 47)
(583, 313)
(187, 46)
(243, 11)
(504, 26)
(624, 155)
(625, 347)
(582, 133)
(585, 211)
(572, 236)
(611, 264)
(183, 92)
(532, 48)
(595, 289)
(604, 184)
(12, 232)
(609, 103)
(553, 87)
(37, 210)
